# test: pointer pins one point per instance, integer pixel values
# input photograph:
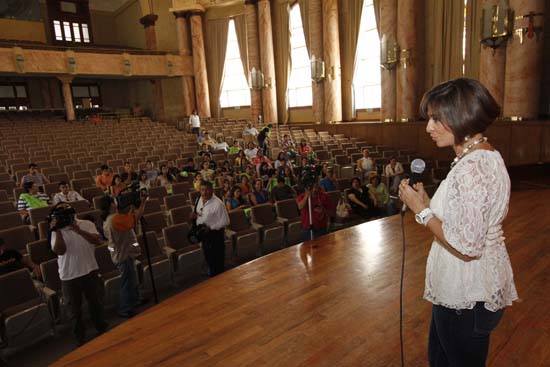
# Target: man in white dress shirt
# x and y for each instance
(65, 194)
(195, 122)
(210, 212)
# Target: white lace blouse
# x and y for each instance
(472, 202)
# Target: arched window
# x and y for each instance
(235, 91)
(299, 84)
(366, 80)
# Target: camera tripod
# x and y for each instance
(143, 224)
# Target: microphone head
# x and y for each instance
(418, 166)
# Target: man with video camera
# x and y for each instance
(211, 217)
(123, 244)
(315, 208)
(74, 242)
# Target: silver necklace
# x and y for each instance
(483, 139)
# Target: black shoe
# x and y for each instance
(103, 328)
(127, 314)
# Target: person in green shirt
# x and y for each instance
(382, 195)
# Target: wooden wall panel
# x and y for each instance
(525, 144)
(499, 136)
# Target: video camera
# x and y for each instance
(63, 214)
(310, 174)
(131, 196)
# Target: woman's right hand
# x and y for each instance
(419, 187)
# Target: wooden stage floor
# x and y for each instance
(332, 302)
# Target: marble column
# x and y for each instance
(67, 96)
(524, 63)
(45, 93)
(492, 64)
(316, 47)
(148, 22)
(388, 27)
(331, 53)
(184, 48)
(267, 61)
(407, 68)
(252, 37)
(199, 65)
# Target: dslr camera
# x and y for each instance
(131, 196)
(63, 214)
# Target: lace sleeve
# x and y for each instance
(469, 200)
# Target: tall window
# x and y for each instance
(299, 84)
(235, 91)
(366, 80)
(70, 22)
(71, 32)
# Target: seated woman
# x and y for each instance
(144, 183)
(197, 181)
(204, 151)
(117, 186)
(265, 171)
(235, 199)
(165, 179)
(290, 178)
(31, 198)
(394, 172)
(380, 191)
(282, 161)
(304, 149)
(245, 185)
(241, 161)
(259, 195)
(365, 165)
(206, 172)
(362, 201)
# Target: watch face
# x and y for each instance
(418, 219)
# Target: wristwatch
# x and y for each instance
(424, 216)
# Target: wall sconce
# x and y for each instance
(531, 30)
(20, 63)
(388, 52)
(256, 79)
(170, 67)
(71, 65)
(496, 24)
(317, 69)
(405, 57)
(126, 64)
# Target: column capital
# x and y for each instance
(148, 20)
(65, 79)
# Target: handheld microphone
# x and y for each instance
(417, 168)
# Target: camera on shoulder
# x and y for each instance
(131, 196)
(63, 214)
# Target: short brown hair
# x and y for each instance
(464, 105)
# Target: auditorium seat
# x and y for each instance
(40, 251)
(17, 237)
(10, 220)
(8, 186)
(7, 207)
(57, 177)
(175, 201)
(24, 315)
(110, 276)
(39, 214)
(245, 238)
(272, 232)
(3, 196)
(152, 206)
(155, 222)
(50, 277)
(181, 214)
(81, 183)
(187, 258)
(289, 215)
(158, 193)
(80, 206)
(162, 270)
(89, 193)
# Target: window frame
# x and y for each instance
(81, 17)
(290, 89)
(16, 101)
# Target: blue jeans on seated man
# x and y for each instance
(461, 337)
(129, 294)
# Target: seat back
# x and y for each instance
(39, 214)
(20, 287)
(104, 262)
(155, 222)
(152, 206)
(10, 220)
(80, 206)
(81, 183)
(175, 236)
(3, 195)
(158, 192)
(40, 251)
(8, 186)
(238, 221)
(154, 247)
(89, 193)
(181, 214)
(287, 209)
(50, 274)
(18, 237)
(7, 207)
(263, 214)
(175, 201)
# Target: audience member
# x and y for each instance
(211, 163)
(259, 195)
(282, 161)
(394, 173)
(365, 165)
(241, 160)
(129, 175)
(362, 200)
(245, 186)
(65, 194)
(290, 178)
(78, 271)
(235, 199)
(380, 191)
(329, 182)
(104, 180)
(206, 172)
(260, 158)
(204, 151)
(117, 185)
(144, 182)
(173, 170)
(221, 145)
(165, 179)
(12, 260)
(282, 191)
(304, 149)
(251, 151)
(197, 181)
(195, 122)
(263, 140)
(151, 172)
(31, 198)
(208, 140)
(250, 130)
(34, 176)
(190, 166)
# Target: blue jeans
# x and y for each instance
(129, 294)
(461, 337)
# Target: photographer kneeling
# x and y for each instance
(123, 244)
(211, 218)
(74, 242)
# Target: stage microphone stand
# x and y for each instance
(148, 254)
(310, 220)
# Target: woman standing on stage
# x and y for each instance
(469, 278)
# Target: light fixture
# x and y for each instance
(405, 57)
(388, 52)
(317, 69)
(19, 59)
(71, 62)
(126, 65)
(531, 30)
(496, 24)
(256, 79)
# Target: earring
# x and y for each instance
(466, 138)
